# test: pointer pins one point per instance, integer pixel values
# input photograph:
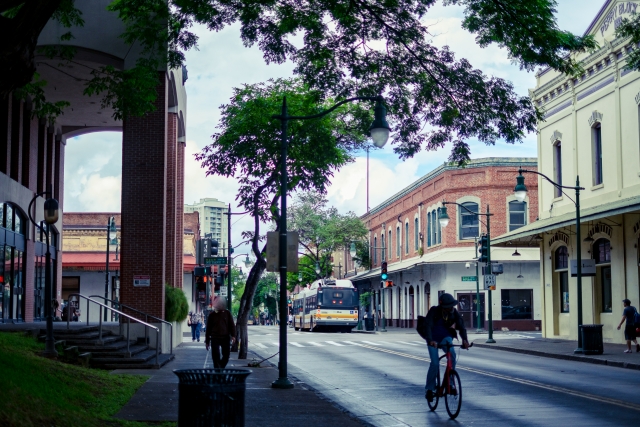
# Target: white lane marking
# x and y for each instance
(257, 344)
(352, 343)
(420, 342)
(408, 343)
(296, 344)
(206, 360)
(334, 343)
(372, 343)
(317, 344)
(277, 344)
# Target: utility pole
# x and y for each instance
(478, 328)
(490, 340)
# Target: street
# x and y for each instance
(380, 378)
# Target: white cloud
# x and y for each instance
(100, 194)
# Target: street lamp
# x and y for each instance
(520, 192)
(111, 236)
(50, 217)
(379, 132)
(443, 217)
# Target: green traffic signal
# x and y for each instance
(383, 271)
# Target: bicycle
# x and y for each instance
(451, 388)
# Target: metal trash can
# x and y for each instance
(369, 324)
(211, 397)
(592, 339)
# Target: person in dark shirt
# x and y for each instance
(629, 314)
(442, 321)
(220, 332)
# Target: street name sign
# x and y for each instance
(141, 281)
(215, 260)
(469, 278)
(490, 281)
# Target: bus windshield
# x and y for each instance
(338, 298)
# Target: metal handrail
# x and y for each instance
(118, 303)
(129, 318)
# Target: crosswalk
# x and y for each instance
(338, 343)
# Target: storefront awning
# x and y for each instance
(523, 235)
(448, 255)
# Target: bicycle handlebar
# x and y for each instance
(448, 346)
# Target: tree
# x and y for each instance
(247, 147)
(237, 278)
(267, 294)
(349, 47)
(631, 28)
(322, 230)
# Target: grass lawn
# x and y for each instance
(41, 392)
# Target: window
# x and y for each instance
(389, 243)
(516, 304)
(517, 214)
(597, 154)
(416, 233)
(557, 166)
(561, 265)
(434, 220)
(375, 250)
(469, 227)
(383, 253)
(429, 225)
(398, 241)
(437, 221)
(406, 237)
(601, 251)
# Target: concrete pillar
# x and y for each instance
(170, 204)
(180, 214)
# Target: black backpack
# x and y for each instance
(422, 327)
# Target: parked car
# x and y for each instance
(517, 312)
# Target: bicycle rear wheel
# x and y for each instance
(433, 405)
(453, 398)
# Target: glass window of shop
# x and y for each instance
(12, 245)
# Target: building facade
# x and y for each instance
(213, 219)
(591, 133)
(84, 256)
(425, 260)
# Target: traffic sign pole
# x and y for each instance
(477, 291)
(490, 340)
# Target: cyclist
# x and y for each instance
(442, 322)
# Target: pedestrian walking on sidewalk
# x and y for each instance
(220, 333)
(195, 322)
(629, 315)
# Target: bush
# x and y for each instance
(176, 306)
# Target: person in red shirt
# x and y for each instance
(220, 333)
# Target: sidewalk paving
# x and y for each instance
(157, 399)
(613, 354)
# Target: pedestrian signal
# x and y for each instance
(388, 284)
(383, 271)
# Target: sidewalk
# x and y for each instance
(613, 354)
(157, 399)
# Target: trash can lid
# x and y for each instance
(212, 376)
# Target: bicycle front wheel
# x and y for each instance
(433, 405)
(453, 396)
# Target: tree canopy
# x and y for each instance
(349, 47)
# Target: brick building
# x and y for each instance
(425, 260)
(84, 243)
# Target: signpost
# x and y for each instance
(215, 260)
(490, 281)
(223, 291)
(141, 280)
(469, 278)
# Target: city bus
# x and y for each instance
(326, 305)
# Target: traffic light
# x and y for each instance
(483, 248)
(214, 247)
(220, 279)
(388, 284)
(383, 271)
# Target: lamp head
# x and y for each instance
(520, 191)
(51, 211)
(352, 250)
(443, 217)
(468, 265)
(317, 268)
(247, 261)
(112, 229)
(380, 129)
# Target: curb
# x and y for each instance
(353, 331)
(582, 359)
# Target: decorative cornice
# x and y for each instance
(595, 88)
(558, 109)
(556, 136)
(596, 117)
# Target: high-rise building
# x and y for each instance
(213, 222)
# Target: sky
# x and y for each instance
(93, 162)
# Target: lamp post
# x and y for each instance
(50, 217)
(111, 235)
(444, 221)
(478, 328)
(379, 131)
(520, 191)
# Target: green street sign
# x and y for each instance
(215, 260)
(469, 278)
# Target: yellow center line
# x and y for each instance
(602, 399)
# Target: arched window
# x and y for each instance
(596, 151)
(390, 244)
(406, 237)
(398, 241)
(438, 225)
(517, 214)
(557, 166)
(601, 251)
(416, 233)
(434, 229)
(383, 251)
(469, 224)
(429, 229)
(375, 250)
(561, 264)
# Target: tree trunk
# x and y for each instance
(246, 302)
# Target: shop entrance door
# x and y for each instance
(468, 309)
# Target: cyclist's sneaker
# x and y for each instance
(429, 395)
(627, 351)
